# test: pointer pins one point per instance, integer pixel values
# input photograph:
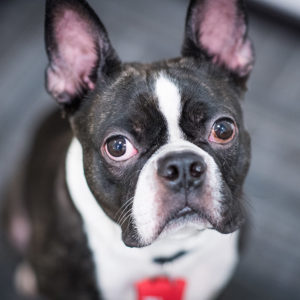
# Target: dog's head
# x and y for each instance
(164, 144)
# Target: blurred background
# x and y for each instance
(151, 30)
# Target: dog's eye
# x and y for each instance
(223, 131)
(118, 148)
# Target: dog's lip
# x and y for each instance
(182, 218)
(185, 215)
(184, 212)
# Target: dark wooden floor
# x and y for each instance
(150, 30)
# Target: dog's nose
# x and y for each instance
(182, 170)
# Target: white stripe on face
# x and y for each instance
(169, 101)
(147, 200)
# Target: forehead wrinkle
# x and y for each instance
(196, 80)
(128, 74)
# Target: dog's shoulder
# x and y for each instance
(41, 219)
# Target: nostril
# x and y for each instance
(171, 172)
(197, 169)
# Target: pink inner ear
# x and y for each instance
(222, 32)
(76, 55)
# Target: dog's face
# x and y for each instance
(164, 144)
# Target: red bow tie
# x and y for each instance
(160, 288)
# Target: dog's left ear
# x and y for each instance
(217, 29)
(78, 49)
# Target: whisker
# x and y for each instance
(124, 215)
(123, 207)
(128, 216)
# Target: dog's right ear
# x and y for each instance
(217, 29)
(78, 49)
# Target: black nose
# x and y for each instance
(182, 170)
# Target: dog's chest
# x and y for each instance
(206, 268)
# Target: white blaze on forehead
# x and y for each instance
(169, 101)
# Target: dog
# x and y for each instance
(140, 194)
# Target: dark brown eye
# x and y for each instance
(118, 148)
(222, 131)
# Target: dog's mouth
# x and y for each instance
(185, 218)
(184, 223)
(186, 211)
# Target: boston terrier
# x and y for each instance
(141, 196)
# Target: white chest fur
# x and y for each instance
(207, 267)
